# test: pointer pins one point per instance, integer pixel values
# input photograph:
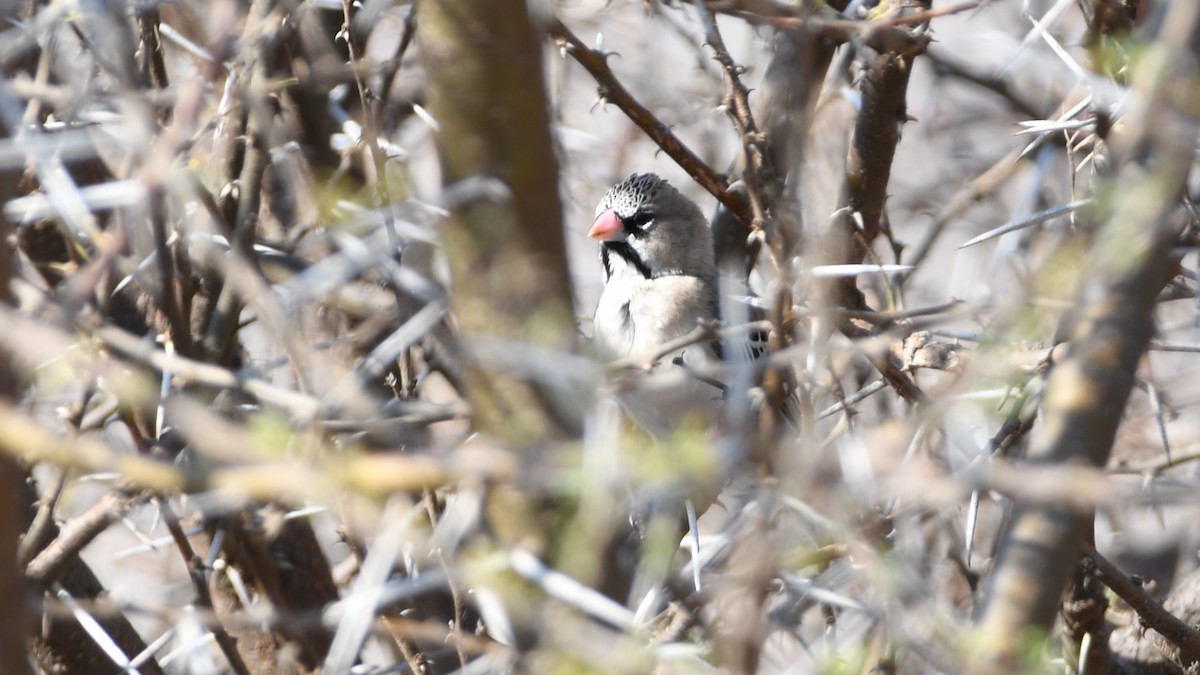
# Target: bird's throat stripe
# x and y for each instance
(626, 252)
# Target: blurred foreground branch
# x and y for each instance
(1127, 267)
(505, 245)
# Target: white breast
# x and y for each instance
(634, 319)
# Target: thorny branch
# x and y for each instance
(1151, 612)
(613, 92)
(758, 174)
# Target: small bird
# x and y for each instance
(660, 283)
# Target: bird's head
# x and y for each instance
(649, 229)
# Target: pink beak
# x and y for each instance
(607, 227)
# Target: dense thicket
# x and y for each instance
(293, 376)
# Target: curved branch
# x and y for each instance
(1151, 613)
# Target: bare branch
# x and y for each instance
(1152, 614)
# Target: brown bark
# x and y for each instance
(505, 241)
(860, 217)
(15, 593)
(281, 561)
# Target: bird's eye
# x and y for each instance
(636, 224)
